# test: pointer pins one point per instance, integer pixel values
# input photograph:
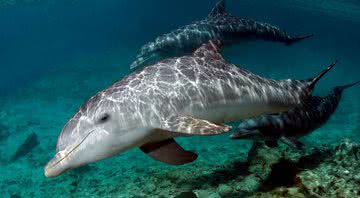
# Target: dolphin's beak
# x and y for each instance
(138, 62)
(63, 160)
(244, 133)
(56, 166)
(142, 60)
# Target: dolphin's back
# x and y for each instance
(226, 28)
(219, 25)
(182, 85)
(231, 28)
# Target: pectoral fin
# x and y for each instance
(293, 142)
(193, 126)
(169, 152)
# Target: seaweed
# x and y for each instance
(284, 172)
(264, 172)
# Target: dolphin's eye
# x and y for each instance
(105, 117)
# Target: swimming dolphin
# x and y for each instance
(219, 25)
(190, 95)
(291, 125)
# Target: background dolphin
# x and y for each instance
(219, 25)
(190, 95)
(291, 125)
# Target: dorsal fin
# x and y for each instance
(218, 10)
(343, 87)
(312, 81)
(210, 50)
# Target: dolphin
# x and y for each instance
(291, 125)
(185, 96)
(219, 25)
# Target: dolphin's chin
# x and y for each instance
(59, 163)
(49, 173)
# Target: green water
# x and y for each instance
(55, 55)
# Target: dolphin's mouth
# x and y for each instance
(141, 60)
(60, 157)
(138, 62)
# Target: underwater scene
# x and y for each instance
(191, 98)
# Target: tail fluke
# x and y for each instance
(342, 88)
(297, 39)
(312, 82)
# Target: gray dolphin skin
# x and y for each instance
(190, 95)
(219, 25)
(291, 125)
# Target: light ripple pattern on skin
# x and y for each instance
(189, 95)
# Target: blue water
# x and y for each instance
(56, 54)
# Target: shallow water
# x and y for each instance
(56, 54)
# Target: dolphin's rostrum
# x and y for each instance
(190, 95)
(219, 25)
